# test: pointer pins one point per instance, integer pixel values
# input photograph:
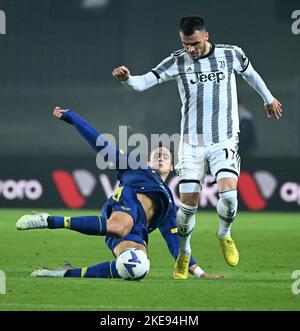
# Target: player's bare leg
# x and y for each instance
(227, 208)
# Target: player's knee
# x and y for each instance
(228, 183)
(122, 232)
(189, 199)
(118, 229)
(227, 205)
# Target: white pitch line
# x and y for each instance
(72, 307)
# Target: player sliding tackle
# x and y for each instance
(142, 204)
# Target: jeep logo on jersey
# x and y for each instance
(211, 77)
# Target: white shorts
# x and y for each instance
(194, 161)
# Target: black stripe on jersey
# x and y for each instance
(156, 74)
(245, 67)
(226, 170)
(229, 61)
(184, 181)
(239, 57)
(224, 46)
(199, 101)
(187, 95)
(179, 52)
(188, 211)
(215, 103)
(165, 65)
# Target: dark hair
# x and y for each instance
(160, 145)
(189, 24)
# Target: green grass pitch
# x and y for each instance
(268, 245)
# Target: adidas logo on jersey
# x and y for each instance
(216, 76)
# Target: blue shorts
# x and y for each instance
(126, 201)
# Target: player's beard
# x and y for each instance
(201, 52)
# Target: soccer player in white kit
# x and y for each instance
(205, 75)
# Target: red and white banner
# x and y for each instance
(68, 183)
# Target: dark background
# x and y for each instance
(60, 53)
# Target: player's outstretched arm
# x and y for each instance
(272, 105)
(94, 138)
(137, 83)
(89, 133)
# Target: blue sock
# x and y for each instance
(55, 222)
(92, 225)
(102, 270)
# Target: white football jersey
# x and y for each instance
(208, 93)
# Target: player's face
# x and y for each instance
(161, 160)
(195, 44)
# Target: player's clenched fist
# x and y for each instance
(57, 112)
(121, 73)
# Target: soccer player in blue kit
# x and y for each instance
(141, 204)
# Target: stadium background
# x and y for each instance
(62, 53)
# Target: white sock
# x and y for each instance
(198, 272)
(224, 229)
(186, 223)
(226, 208)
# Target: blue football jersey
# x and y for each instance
(139, 177)
(148, 181)
(142, 179)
